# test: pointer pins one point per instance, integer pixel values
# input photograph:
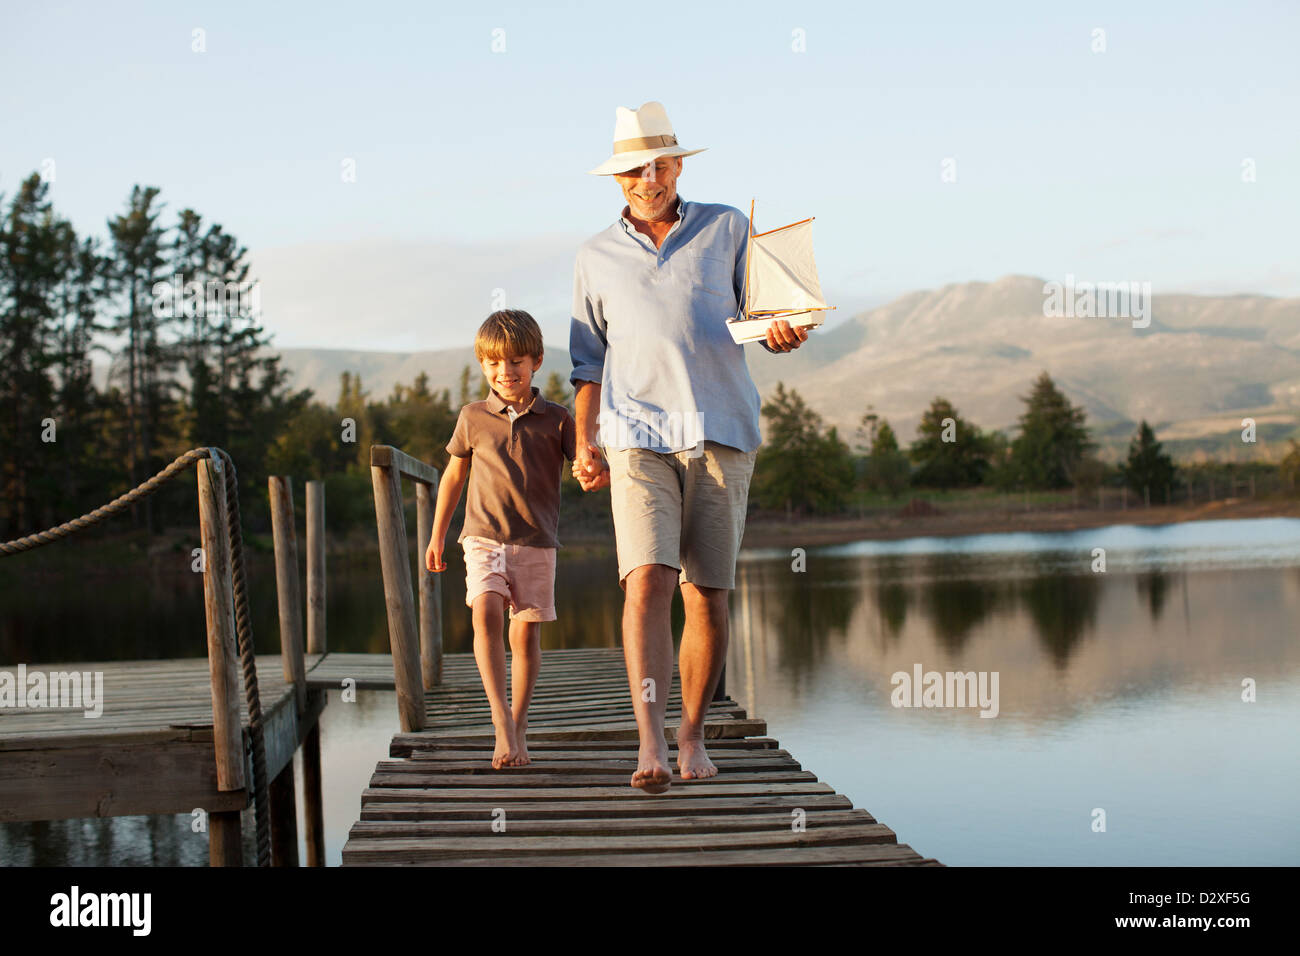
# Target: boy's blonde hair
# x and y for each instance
(508, 332)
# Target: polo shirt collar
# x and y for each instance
(498, 405)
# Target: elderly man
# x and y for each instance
(657, 370)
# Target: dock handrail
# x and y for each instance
(414, 671)
(228, 622)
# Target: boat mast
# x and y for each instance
(744, 289)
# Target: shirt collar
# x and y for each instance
(631, 230)
(498, 405)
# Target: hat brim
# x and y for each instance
(622, 162)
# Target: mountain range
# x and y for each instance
(1201, 365)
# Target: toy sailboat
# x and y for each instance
(780, 281)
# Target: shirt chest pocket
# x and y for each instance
(709, 275)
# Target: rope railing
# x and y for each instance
(243, 621)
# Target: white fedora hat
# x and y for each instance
(641, 136)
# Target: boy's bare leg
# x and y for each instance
(490, 655)
(648, 652)
(525, 662)
(700, 662)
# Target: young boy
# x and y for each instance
(517, 442)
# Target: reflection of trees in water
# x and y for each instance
(891, 603)
(954, 602)
(143, 613)
(588, 605)
(1063, 608)
(1153, 586)
(159, 840)
(956, 606)
(891, 596)
(591, 614)
(805, 609)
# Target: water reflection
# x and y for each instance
(955, 604)
(813, 613)
(1152, 586)
(1063, 609)
(1062, 636)
(1104, 679)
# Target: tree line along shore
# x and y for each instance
(165, 297)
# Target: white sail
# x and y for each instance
(782, 271)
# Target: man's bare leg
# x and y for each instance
(490, 655)
(525, 662)
(648, 652)
(703, 654)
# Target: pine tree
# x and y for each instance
(1148, 470)
(83, 465)
(138, 264)
(557, 391)
(1053, 438)
(352, 404)
(887, 466)
(799, 468)
(463, 398)
(949, 451)
(1290, 467)
(31, 272)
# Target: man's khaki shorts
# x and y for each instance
(682, 509)
(522, 575)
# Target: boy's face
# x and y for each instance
(511, 377)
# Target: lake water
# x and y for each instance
(1117, 690)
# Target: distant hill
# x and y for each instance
(321, 369)
(1203, 364)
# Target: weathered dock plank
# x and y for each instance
(438, 802)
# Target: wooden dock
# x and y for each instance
(440, 803)
(118, 738)
(150, 751)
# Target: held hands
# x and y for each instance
(590, 467)
(433, 556)
(782, 337)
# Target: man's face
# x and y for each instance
(651, 190)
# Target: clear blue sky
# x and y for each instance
(1122, 165)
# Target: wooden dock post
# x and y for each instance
(313, 800)
(315, 567)
(283, 792)
(285, 534)
(224, 838)
(426, 497)
(314, 805)
(395, 561)
(284, 818)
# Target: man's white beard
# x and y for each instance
(657, 209)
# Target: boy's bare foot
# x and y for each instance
(693, 761)
(652, 773)
(506, 749)
(521, 744)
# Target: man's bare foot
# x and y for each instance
(521, 744)
(652, 773)
(507, 750)
(693, 761)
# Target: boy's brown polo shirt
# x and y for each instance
(514, 477)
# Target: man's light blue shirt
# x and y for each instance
(649, 325)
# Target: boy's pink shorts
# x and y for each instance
(524, 576)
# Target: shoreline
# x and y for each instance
(171, 551)
(768, 532)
